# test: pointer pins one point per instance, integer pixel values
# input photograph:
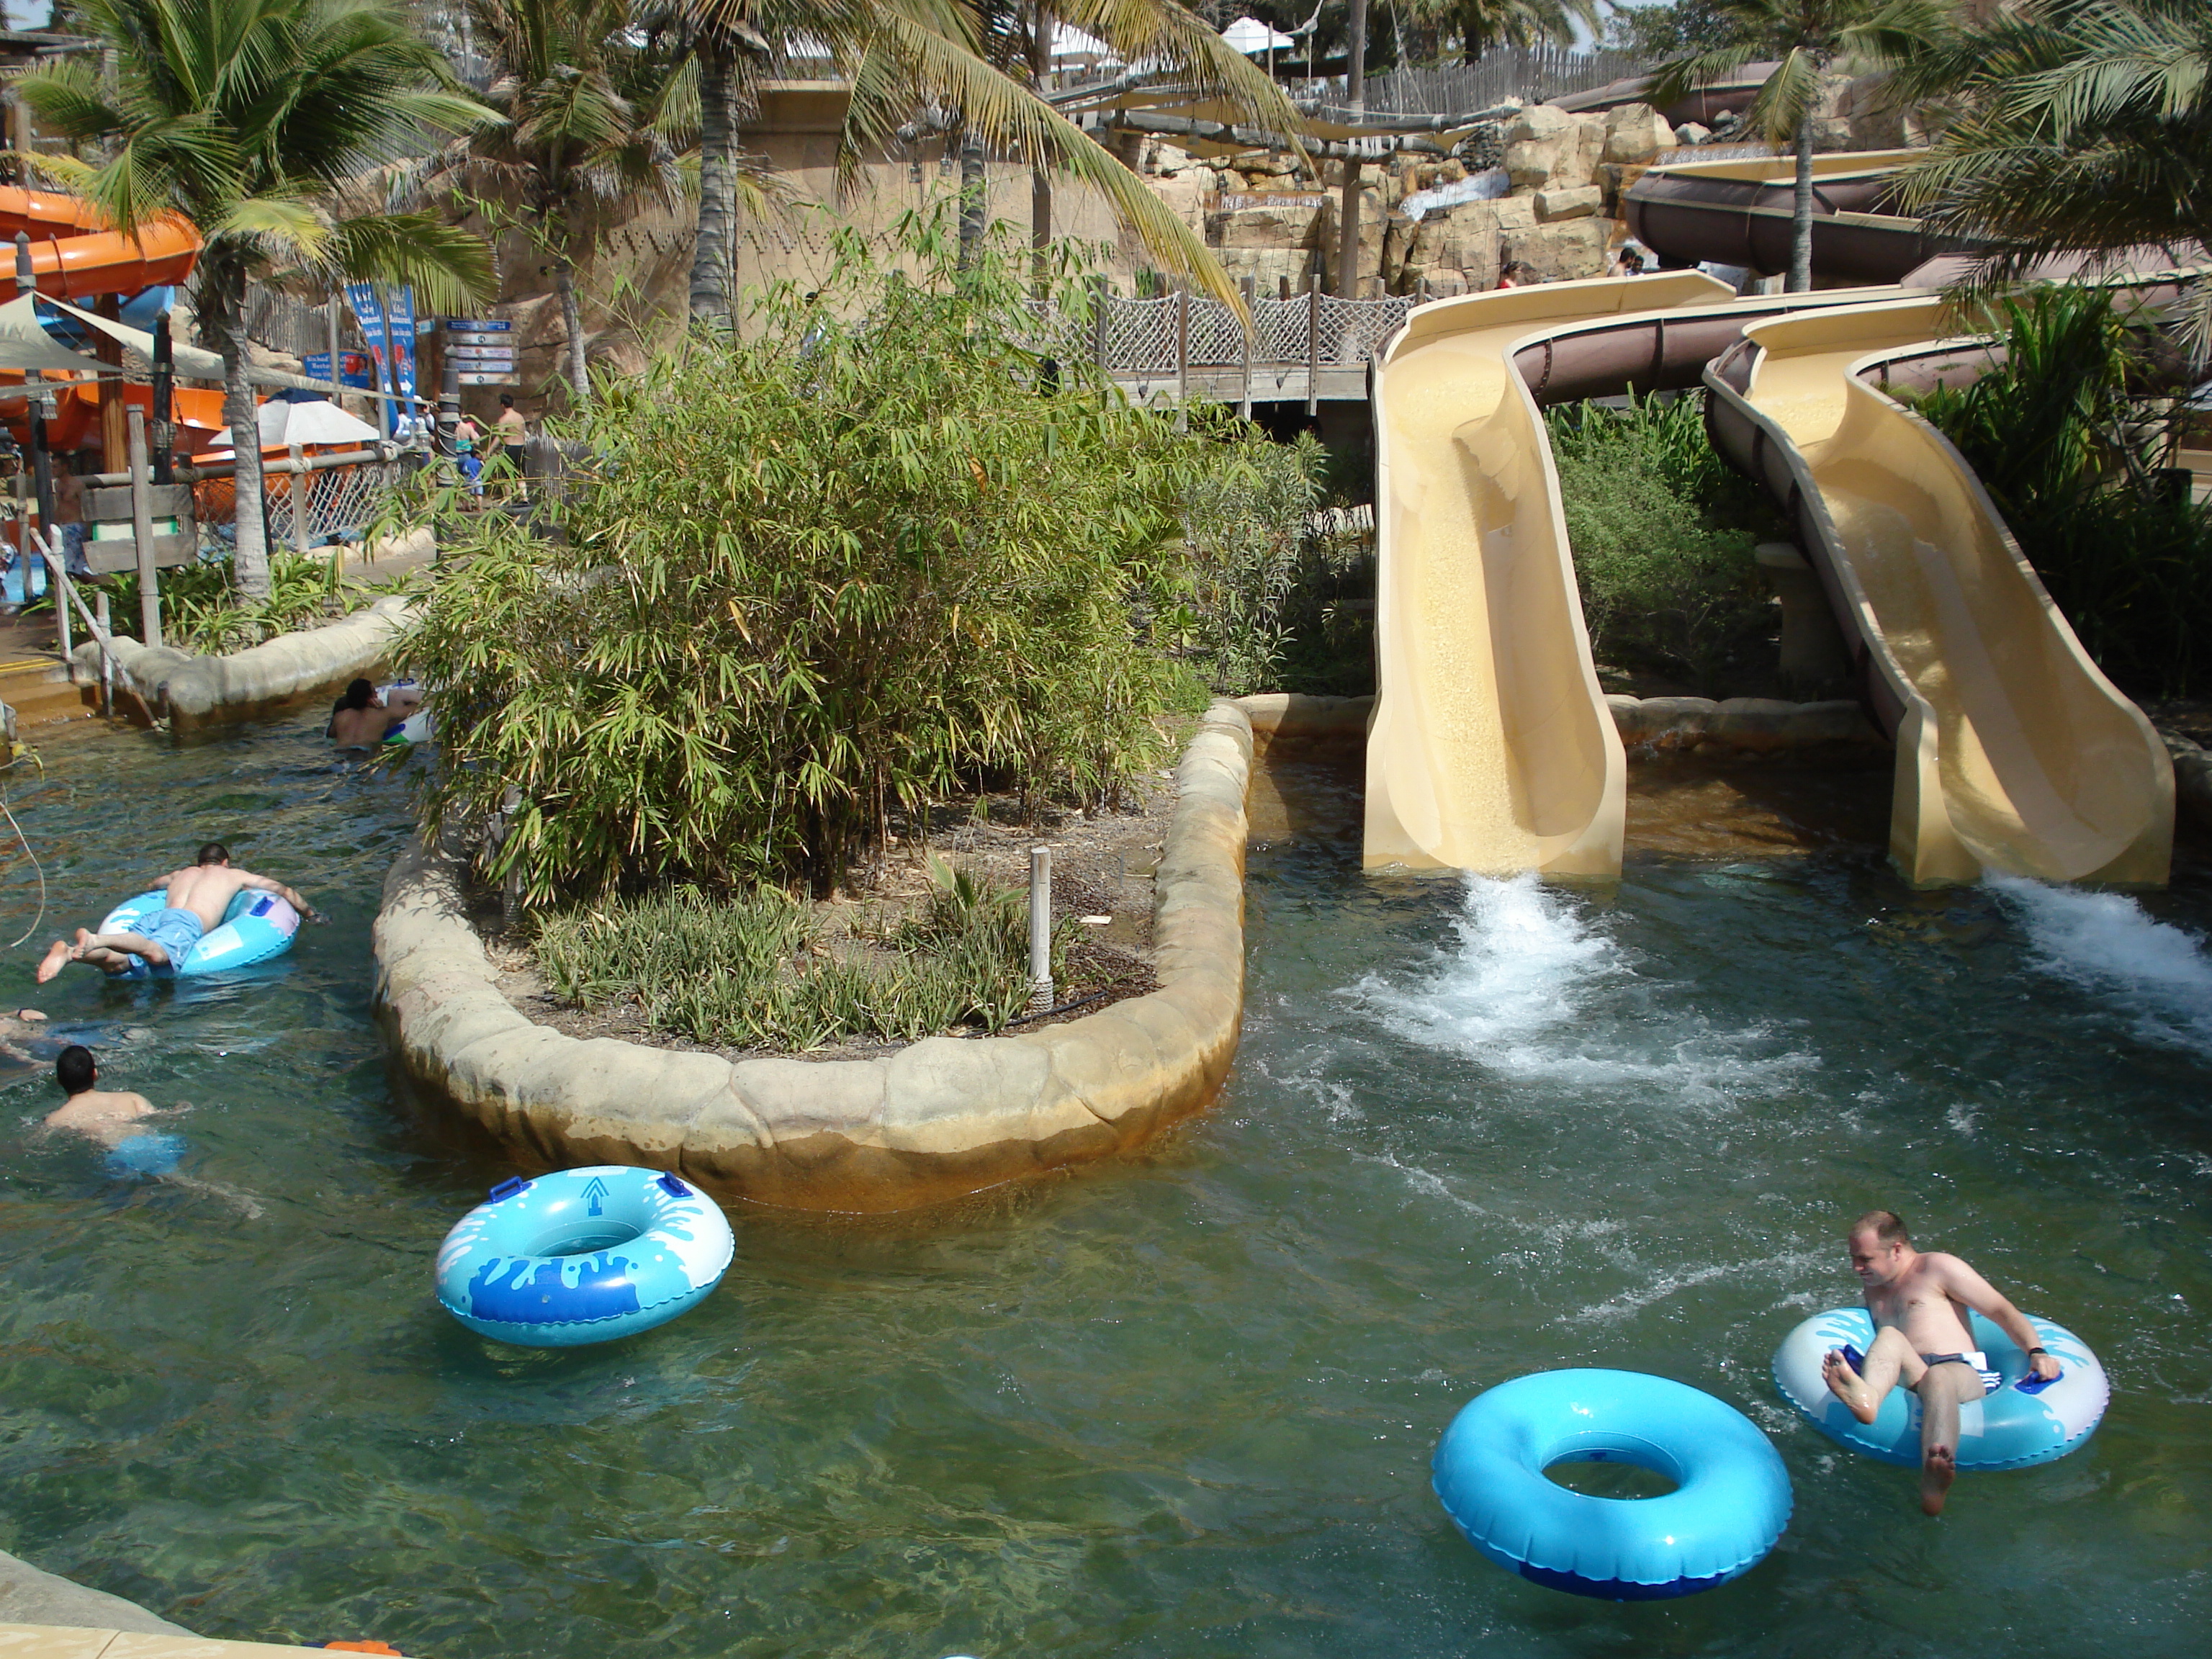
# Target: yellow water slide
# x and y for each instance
(2014, 754)
(1491, 747)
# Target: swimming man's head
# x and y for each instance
(74, 1071)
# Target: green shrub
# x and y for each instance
(2074, 444)
(1662, 533)
(202, 613)
(1244, 525)
(756, 972)
(861, 555)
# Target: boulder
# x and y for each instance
(1579, 202)
(1539, 124)
(1562, 252)
(1691, 133)
(1636, 132)
(1539, 142)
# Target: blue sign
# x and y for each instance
(399, 334)
(480, 324)
(353, 368)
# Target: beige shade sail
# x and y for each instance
(196, 362)
(25, 347)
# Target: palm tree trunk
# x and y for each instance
(572, 319)
(718, 177)
(1040, 180)
(249, 569)
(1800, 223)
(974, 197)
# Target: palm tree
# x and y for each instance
(1806, 36)
(1482, 24)
(248, 117)
(2085, 127)
(599, 103)
(974, 64)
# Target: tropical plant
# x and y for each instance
(2074, 434)
(1662, 533)
(600, 99)
(247, 117)
(756, 970)
(968, 69)
(1665, 33)
(1807, 37)
(2084, 127)
(859, 554)
(1482, 24)
(1244, 525)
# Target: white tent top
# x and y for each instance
(1068, 41)
(310, 422)
(25, 345)
(1249, 35)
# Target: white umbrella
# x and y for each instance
(318, 422)
(1249, 35)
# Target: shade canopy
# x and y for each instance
(196, 362)
(286, 423)
(1249, 35)
(26, 346)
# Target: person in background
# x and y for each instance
(513, 432)
(1629, 263)
(364, 717)
(1519, 274)
(69, 515)
(106, 1116)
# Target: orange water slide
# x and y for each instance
(74, 256)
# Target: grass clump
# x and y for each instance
(2074, 437)
(1662, 533)
(202, 613)
(757, 971)
(865, 553)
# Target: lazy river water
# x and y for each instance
(1181, 1406)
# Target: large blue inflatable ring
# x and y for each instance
(256, 926)
(1730, 1503)
(583, 1255)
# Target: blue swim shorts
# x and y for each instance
(175, 931)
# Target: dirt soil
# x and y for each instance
(1103, 867)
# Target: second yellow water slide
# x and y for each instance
(2014, 753)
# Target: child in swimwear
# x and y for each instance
(109, 1117)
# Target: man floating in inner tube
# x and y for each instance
(364, 717)
(196, 898)
(1919, 1302)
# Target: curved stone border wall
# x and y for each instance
(29, 1596)
(942, 1117)
(198, 693)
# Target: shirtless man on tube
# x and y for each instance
(1919, 1301)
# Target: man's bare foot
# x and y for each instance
(1937, 1471)
(1848, 1386)
(58, 957)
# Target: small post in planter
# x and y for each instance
(106, 661)
(1041, 992)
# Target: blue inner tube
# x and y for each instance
(2012, 1427)
(583, 1255)
(256, 926)
(1730, 1504)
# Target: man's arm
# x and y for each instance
(264, 884)
(1962, 1284)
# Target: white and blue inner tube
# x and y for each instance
(256, 926)
(583, 1255)
(2024, 1419)
(1730, 1503)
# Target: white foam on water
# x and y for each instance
(1537, 991)
(1672, 1281)
(2108, 944)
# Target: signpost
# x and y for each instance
(482, 349)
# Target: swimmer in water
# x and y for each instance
(110, 1116)
(23, 1023)
(364, 717)
(1919, 1301)
(195, 899)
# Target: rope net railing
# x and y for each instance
(1148, 339)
